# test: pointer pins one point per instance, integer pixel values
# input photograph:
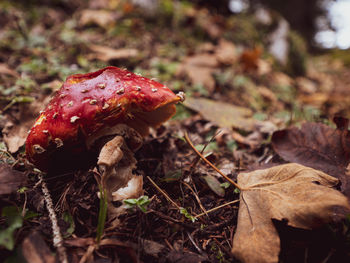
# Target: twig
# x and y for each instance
(216, 208)
(195, 244)
(57, 236)
(168, 218)
(164, 193)
(197, 198)
(209, 163)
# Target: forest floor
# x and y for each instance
(269, 115)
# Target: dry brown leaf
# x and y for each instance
(34, 249)
(222, 114)
(306, 85)
(207, 23)
(301, 195)
(250, 58)
(226, 52)
(106, 53)
(199, 68)
(318, 146)
(16, 131)
(10, 180)
(4, 69)
(316, 99)
(102, 18)
(281, 79)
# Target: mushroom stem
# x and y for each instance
(116, 162)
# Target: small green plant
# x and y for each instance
(102, 214)
(225, 185)
(184, 212)
(67, 217)
(14, 220)
(140, 202)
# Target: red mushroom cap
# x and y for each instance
(86, 103)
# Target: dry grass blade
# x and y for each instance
(216, 208)
(209, 163)
(164, 193)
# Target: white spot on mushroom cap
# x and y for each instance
(138, 88)
(59, 142)
(84, 90)
(120, 91)
(154, 90)
(101, 85)
(73, 119)
(93, 102)
(70, 104)
(38, 149)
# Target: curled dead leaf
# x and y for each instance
(302, 196)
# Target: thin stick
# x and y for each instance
(196, 196)
(57, 236)
(216, 208)
(209, 163)
(163, 193)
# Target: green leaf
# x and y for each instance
(225, 185)
(184, 212)
(22, 190)
(140, 202)
(69, 219)
(231, 145)
(214, 185)
(172, 176)
(14, 221)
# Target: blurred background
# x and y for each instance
(227, 47)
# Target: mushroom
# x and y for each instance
(110, 109)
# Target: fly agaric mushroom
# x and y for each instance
(87, 106)
(91, 109)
